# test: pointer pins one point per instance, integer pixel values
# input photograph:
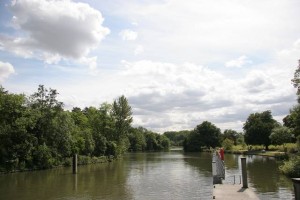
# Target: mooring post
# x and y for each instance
(75, 164)
(244, 173)
(296, 183)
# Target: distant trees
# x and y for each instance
(177, 137)
(258, 128)
(205, 134)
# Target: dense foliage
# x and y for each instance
(258, 128)
(281, 135)
(177, 137)
(205, 135)
(36, 132)
(291, 167)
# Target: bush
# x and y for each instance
(42, 157)
(291, 168)
(288, 147)
(227, 144)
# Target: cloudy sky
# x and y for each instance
(179, 63)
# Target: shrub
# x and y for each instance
(291, 168)
(227, 144)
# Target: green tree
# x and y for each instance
(230, 134)
(258, 128)
(205, 134)
(292, 120)
(137, 139)
(45, 106)
(121, 112)
(16, 142)
(95, 123)
(83, 138)
(280, 135)
(227, 144)
(296, 81)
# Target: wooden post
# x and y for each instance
(296, 182)
(75, 164)
(244, 173)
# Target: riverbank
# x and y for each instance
(82, 160)
(276, 154)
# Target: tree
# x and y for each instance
(204, 135)
(16, 141)
(227, 144)
(296, 81)
(231, 134)
(95, 123)
(292, 120)
(45, 106)
(258, 128)
(137, 139)
(121, 113)
(280, 135)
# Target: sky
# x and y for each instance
(178, 63)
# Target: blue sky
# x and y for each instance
(179, 63)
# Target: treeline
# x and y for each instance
(36, 132)
(205, 136)
(260, 128)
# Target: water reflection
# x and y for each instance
(199, 161)
(93, 181)
(266, 178)
(263, 176)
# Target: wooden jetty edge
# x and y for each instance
(229, 191)
(233, 192)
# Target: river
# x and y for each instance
(164, 175)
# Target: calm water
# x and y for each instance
(168, 175)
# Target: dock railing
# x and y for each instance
(218, 168)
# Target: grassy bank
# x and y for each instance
(289, 153)
(274, 150)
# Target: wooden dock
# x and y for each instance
(233, 192)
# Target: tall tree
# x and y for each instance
(121, 111)
(45, 106)
(205, 134)
(258, 128)
(296, 81)
(16, 142)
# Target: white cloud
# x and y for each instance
(6, 69)
(202, 31)
(54, 30)
(128, 34)
(138, 50)
(239, 62)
